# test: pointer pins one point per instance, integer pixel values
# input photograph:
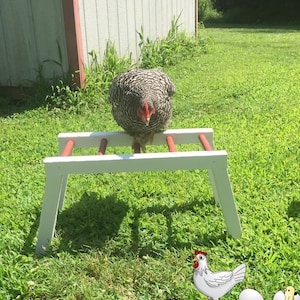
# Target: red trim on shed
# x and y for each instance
(74, 40)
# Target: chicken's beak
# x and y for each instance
(147, 121)
(196, 262)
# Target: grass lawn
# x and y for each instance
(132, 236)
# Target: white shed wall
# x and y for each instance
(29, 37)
(120, 20)
(31, 30)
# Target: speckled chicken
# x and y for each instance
(141, 103)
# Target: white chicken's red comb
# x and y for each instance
(200, 252)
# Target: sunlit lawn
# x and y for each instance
(132, 236)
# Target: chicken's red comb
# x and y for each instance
(200, 252)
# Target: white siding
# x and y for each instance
(29, 37)
(31, 30)
(120, 20)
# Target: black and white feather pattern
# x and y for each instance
(129, 89)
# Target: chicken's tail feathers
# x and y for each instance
(239, 273)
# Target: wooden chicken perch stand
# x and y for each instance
(58, 168)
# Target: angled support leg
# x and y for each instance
(63, 190)
(224, 195)
(214, 187)
(49, 212)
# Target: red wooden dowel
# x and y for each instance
(102, 148)
(68, 148)
(206, 145)
(171, 144)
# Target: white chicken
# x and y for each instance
(215, 284)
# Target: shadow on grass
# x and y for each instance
(10, 106)
(168, 212)
(294, 209)
(90, 222)
(87, 223)
(29, 247)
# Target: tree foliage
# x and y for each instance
(259, 11)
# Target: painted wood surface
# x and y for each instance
(119, 139)
(60, 167)
(32, 37)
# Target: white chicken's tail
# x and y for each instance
(239, 273)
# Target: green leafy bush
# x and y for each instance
(257, 11)
(100, 74)
(206, 10)
(61, 93)
(167, 51)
